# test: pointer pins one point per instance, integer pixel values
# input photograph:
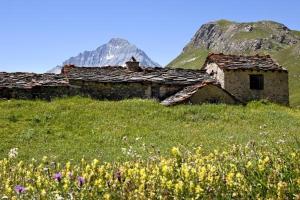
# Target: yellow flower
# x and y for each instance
(8, 189)
(95, 163)
(39, 181)
(143, 174)
(239, 176)
(106, 196)
(43, 192)
(249, 164)
(45, 158)
(293, 154)
(179, 187)
(202, 173)
(185, 171)
(229, 178)
(68, 165)
(199, 190)
(169, 184)
(191, 187)
(66, 186)
(175, 151)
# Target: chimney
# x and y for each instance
(66, 69)
(133, 65)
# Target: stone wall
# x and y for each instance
(96, 90)
(237, 82)
(38, 92)
(124, 90)
(215, 72)
(211, 94)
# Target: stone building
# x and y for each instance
(249, 77)
(223, 79)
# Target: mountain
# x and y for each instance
(116, 52)
(262, 37)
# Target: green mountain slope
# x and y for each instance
(290, 58)
(263, 37)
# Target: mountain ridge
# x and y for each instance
(116, 52)
(245, 38)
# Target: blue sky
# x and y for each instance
(36, 35)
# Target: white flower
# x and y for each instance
(58, 197)
(13, 153)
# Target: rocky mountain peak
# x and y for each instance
(116, 52)
(251, 37)
(118, 42)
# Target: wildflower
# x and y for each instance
(58, 197)
(58, 177)
(199, 190)
(169, 184)
(179, 187)
(43, 192)
(19, 189)
(239, 177)
(13, 153)
(249, 164)
(81, 181)
(229, 178)
(175, 151)
(293, 154)
(45, 158)
(95, 162)
(106, 196)
(68, 165)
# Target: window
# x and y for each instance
(256, 82)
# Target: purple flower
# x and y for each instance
(19, 189)
(81, 181)
(58, 177)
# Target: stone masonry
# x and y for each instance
(223, 79)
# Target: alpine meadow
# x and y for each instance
(149, 100)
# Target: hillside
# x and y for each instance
(123, 130)
(263, 37)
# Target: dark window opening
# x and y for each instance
(256, 82)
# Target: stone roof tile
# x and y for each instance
(29, 80)
(233, 62)
(154, 75)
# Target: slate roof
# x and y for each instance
(29, 80)
(117, 74)
(104, 74)
(184, 95)
(234, 62)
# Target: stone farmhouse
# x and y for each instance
(223, 78)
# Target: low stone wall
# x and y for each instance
(96, 90)
(39, 92)
(124, 90)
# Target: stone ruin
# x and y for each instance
(170, 86)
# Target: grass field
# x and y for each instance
(77, 127)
